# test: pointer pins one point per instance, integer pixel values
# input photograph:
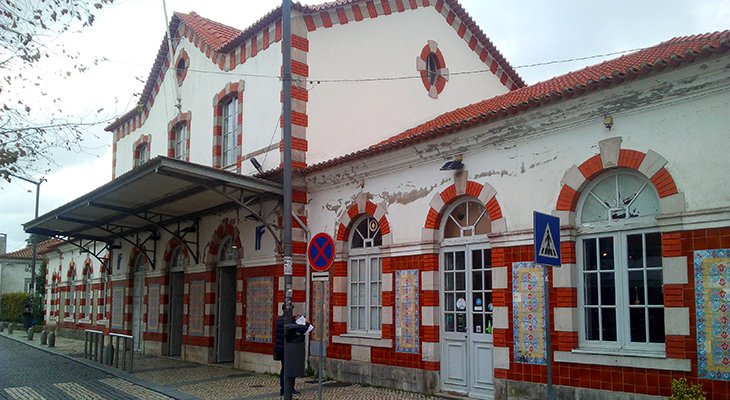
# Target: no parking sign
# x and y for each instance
(321, 252)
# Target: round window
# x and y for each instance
(432, 67)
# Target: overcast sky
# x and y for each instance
(129, 33)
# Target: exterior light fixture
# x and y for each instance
(257, 165)
(453, 165)
(608, 121)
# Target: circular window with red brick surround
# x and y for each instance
(181, 67)
(432, 67)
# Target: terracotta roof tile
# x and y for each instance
(668, 54)
(214, 33)
(27, 252)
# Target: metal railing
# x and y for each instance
(94, 345)
(126, 349)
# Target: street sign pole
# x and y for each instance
(547, 254)
(321, 255)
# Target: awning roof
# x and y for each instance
(160, 193)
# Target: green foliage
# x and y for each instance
(683, 390)
(12, 306)
(32, 121)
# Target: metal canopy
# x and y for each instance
(162, 194)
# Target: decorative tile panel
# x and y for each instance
(153, 308)
(259, 309)
(320, 293)
(529, 313)
(406, 311)
(118, 308)
(712, 281)
(196, 308)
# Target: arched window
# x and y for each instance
(54, 297)
(178, 259)
(620, 264)
(87, 292)
(141, 154)
(180, 134)
(228, 251)
(71, 297)
(432, 67)
(364, 277)
(466, 219)
(229, 140)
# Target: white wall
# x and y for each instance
(13, 276)
(349, 116)
(682, 115)
(261, 107)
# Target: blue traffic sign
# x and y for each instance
(547, 239)
(321, 252)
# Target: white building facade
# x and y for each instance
(433, 286)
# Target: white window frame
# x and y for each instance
(229, 131)
(143, 150)
(181, 137)
(71, 298)
(619, 230)
(368, 254)
(88, 296)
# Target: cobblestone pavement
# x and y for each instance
(27, 373)
(63, 378)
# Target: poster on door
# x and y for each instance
(528, 302)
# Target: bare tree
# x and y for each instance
(31, 129)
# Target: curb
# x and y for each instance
(165, 390)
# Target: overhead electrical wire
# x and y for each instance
(398, 78)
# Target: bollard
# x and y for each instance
(109, 353)
(10, 328)
(44, 337)
(52, 339)
(30, 333)
(2, 326)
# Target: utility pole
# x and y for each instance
(32, 239)
(286, 213)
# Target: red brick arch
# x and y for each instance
(485, 193)
(88, 268)
(360, 207)
(133, 255)
(172, 245)
(225, 229)
(649, 164)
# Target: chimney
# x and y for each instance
(3, 243)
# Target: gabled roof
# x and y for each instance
(27, 252)
(224, 39)
(665, 55)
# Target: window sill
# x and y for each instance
(362, 340)
(102, 322)
(648, 361)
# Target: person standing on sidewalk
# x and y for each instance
(281, 322)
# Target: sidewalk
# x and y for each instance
(186, 380)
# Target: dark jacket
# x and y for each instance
(281, 322)
(279, 343)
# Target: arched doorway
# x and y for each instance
(138, 300)
(466, 299)
(225, 321)
(175, 333)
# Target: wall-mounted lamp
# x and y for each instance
(257, 165)
(115, 246)
(608, 122)
(453, 165)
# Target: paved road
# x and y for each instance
(29, 373)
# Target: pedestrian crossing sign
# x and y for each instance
(547, 239)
